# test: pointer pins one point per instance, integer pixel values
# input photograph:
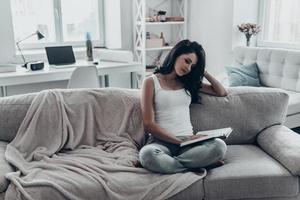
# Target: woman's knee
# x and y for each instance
(220, 148)
(148, 154)
(153, 158)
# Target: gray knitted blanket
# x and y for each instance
(83, 144)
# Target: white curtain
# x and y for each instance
(281, 22)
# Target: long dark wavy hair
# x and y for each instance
(192, 81)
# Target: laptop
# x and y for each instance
(60, 56)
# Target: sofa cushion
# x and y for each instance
(4, 167)
(244, 75)
(194, 191)
(12, 112)
(249, 173)
(248, 110)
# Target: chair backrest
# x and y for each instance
(84, 77)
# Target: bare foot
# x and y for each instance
(137, 164)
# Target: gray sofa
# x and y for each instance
(263, 156)
(278, 68)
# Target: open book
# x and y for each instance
(222, 133)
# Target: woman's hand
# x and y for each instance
(197, 136)
(214, 88)
(193, 137)
(205, 73)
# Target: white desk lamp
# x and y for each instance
(36, 65)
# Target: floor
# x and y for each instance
(296, 129)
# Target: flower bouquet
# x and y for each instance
(249, 29)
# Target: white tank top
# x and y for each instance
(171, 108)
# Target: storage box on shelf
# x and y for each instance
(154, 43)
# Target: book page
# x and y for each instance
(216, 133)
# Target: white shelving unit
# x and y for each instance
(173, 31)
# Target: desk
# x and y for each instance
(23, 76)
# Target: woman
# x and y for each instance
(166, 97)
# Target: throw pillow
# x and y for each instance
(244, 75)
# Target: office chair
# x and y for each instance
(84, 77)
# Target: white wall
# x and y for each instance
(213, 24)
(7, 47)
(245, 11)
(116, 11)
(112, 10)
(127, 24)
(210, 24)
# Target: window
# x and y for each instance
(60, 21)
(280, 21)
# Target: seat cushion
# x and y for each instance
(4, 167)
(249, 173)
(194, 191)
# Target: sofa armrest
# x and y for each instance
(12, 112)
(282, 144)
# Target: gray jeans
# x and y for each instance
(163, 157)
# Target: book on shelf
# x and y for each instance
(175, 19)
(222, 133)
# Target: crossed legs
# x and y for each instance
(168, 158)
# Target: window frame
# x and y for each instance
(59, 30)
(263, 10)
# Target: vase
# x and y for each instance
(248, 38)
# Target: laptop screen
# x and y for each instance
(60, 55)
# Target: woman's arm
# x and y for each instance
(147, 101)
(214, 88)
